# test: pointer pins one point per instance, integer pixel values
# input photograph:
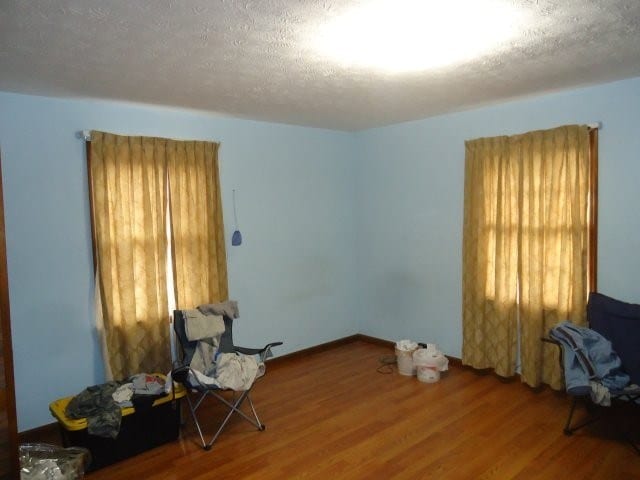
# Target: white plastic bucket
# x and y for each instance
(427, 374)
(428, 363)
(405, 362)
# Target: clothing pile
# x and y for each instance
(591, 366)
(209, 365)
(101, 404)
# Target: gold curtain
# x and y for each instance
(524, 248)
(128, 184)
(490, 261)
(197, 230)
(553, 242)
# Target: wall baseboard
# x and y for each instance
(50, 433)
(358, 337)
(388, 343)
(375, 340)
(323, 347)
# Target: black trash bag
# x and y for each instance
(41, 461)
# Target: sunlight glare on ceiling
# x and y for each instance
(414, 35)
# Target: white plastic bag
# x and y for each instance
(406, 345)
(431, 357)
(41, 461)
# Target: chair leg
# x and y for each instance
(233, 408)
(593, 417)
(223, 424)
(632, 442)
(568, 428)
(262, 426)
(195, 419)
(627, 431)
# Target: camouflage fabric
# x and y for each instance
(98, 407)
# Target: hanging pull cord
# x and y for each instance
(236, 238)
(235, 213)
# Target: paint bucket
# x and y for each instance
(427, 374)
(404, 358)
(428, 363)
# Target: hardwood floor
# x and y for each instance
(331, 415)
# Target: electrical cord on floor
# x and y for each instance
(386, 364)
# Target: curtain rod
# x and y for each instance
(86, 134)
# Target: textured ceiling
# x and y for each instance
(252, 58)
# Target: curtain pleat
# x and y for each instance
(197, 230)
(128, 185)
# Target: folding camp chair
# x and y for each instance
(618, 322)
(182, 375)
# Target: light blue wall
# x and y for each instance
(293, 274)
(343, 232)
(409, 192)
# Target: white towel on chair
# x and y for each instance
(233, 371)
(236, 371)
(198, 325)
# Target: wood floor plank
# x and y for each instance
(330, 415)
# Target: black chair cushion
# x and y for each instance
(619, 322)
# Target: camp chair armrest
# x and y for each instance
(181, 375)
(248, 351)
(555, 342)
(551, 340)
(264, 352)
